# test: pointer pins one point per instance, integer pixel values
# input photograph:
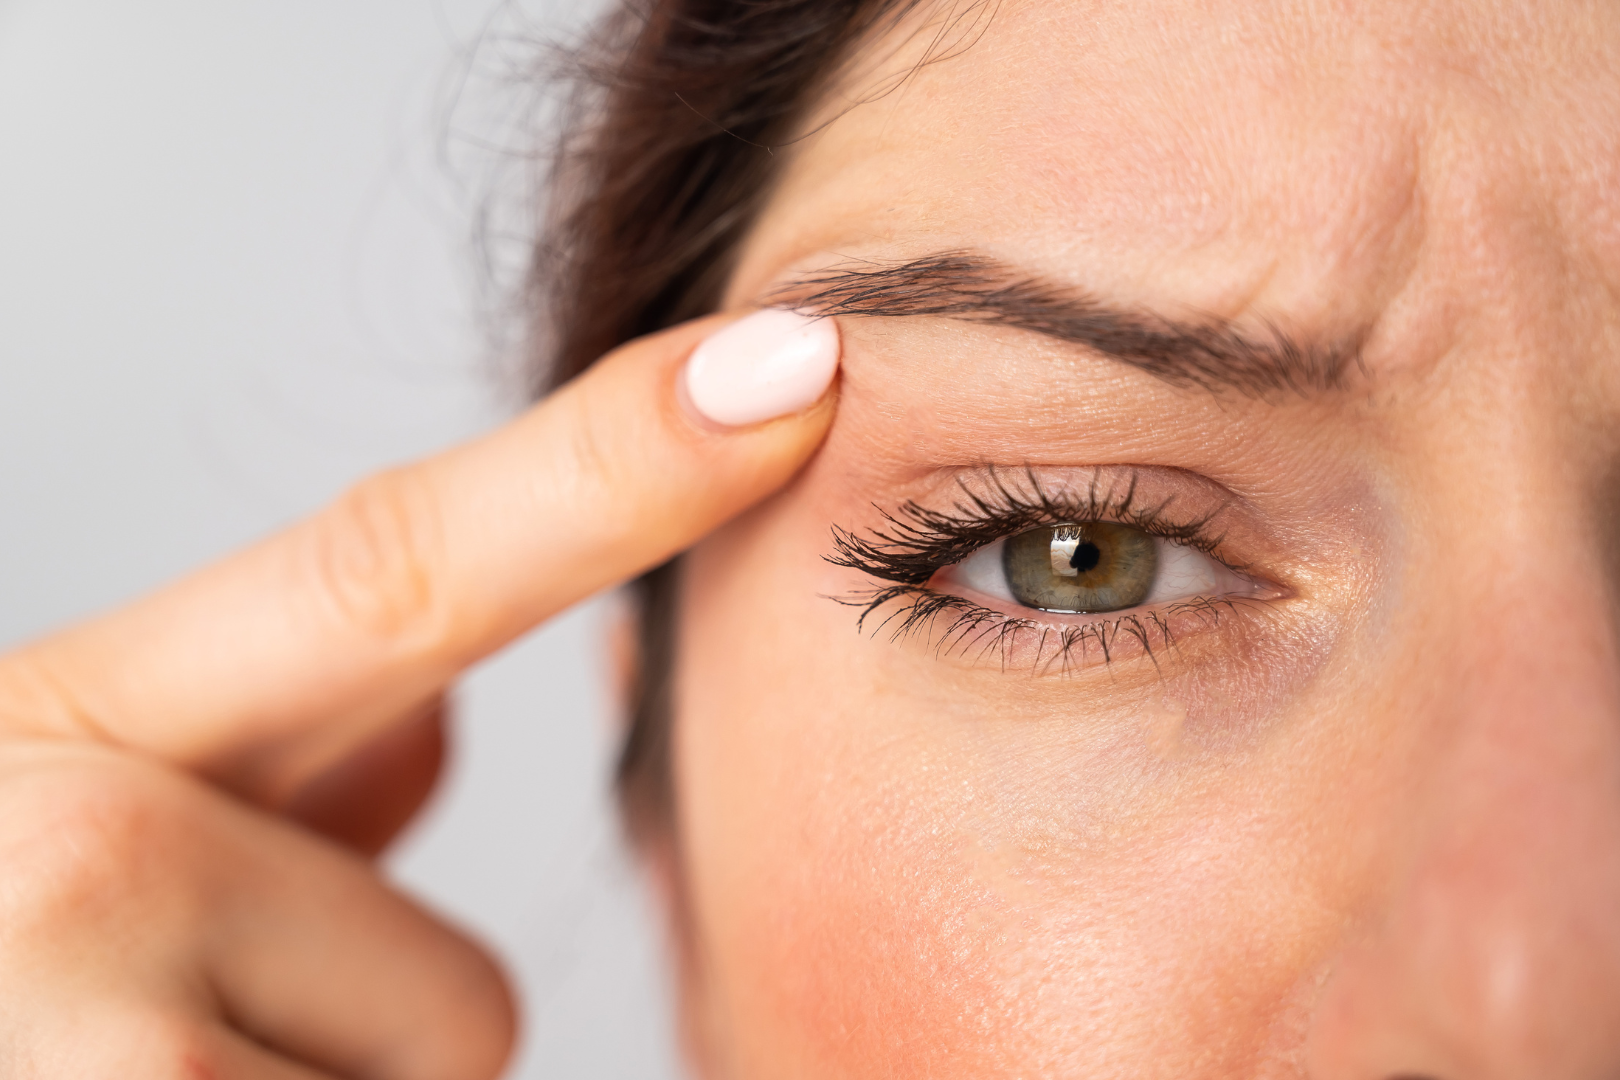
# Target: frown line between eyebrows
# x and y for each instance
(1208, 353)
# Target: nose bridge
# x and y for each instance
(1495, 949)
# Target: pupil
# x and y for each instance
(1086, 556)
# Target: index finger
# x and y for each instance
(380, 600)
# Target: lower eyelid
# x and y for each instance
(962, 629)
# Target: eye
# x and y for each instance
(1091, 567)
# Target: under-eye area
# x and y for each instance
(1052, 571)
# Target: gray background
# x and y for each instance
(234, 276)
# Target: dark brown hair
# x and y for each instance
(664, 161)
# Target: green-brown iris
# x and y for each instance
(1089, 566)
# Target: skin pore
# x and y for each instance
(1364, 824)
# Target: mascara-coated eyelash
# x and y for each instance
(916, 543)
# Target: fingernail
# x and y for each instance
(773, 363)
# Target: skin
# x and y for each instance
(1366, 828)
(1365, 824)
(190, 788)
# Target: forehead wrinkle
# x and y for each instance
(1079, 162)
(1258, 175)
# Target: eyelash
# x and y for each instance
(916, 543)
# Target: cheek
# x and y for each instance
(897, 878)
(840, 934)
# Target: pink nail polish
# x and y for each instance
(772, 363)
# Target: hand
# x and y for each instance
(161, 915)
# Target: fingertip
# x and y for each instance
(770, 364)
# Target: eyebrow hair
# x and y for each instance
(1208, 353)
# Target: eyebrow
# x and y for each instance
(1205, 352)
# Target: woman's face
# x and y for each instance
(1322, 304)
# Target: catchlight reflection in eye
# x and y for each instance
(1092, 567)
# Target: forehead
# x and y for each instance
(1293, 159)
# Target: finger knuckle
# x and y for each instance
(83, 845)
(37, 694)
(377, 555)
(596, 462)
